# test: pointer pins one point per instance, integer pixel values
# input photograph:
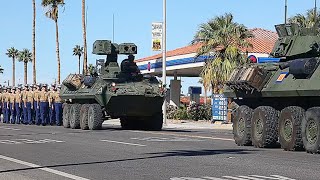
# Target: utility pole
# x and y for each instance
(164, 75)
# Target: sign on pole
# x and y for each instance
(157, 36)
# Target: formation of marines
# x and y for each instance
(33, 104)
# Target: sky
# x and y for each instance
(133, 20)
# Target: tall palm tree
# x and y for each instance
(52, 12)
(25, 56)
(1, 70)
(221, 40)
(34, 42)
(13, 53)
(84, 29)
(306, 20)
(78, 51)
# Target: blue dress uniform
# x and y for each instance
(18, 101)
(58, 106)
(11, 106)
(28, 104)
(36, 105)
(43, 98)
(51, 105)
(5, 110)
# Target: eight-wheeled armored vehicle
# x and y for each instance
(279, 103)
(113, 91)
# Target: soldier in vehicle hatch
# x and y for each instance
(129, 66)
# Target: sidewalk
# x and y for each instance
(184, 124)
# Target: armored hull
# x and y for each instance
(115, 92)
(280, 102)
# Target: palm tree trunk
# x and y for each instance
(84, 37)
(13, 71)
(25, 73)
(34, 43)
(79, 63)
(57, 49)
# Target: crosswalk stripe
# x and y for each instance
(274, 177)
(251, 178)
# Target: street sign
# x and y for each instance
(157, 36)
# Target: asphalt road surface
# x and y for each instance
(36, 152)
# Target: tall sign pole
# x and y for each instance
(164, 49)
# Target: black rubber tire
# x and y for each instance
(75, 116)
(155, 122)
(242, 126)
(125, 123)
(84, 117)
(312, 116)
(95, 117)
(291, 116)
(268, 118)
(66, 113)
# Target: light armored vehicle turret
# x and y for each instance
(280, 102)
(113, 91)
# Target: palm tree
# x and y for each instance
(34, 42)
(91, 68)
(52, 12)
(306, 20)
(78, 51)
(25, 56)
(1, 70)
(221, 39)
(84, 29)
(13, 53)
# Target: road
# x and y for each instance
(36, 152)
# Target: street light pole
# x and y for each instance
(164, 107)
(285, 11)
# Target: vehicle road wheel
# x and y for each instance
(290, 128)
(125, 123)
(84, 117)
(66, 113)
(311, 130)
(75, 116)
(94, 117)
(156, 122)
(264, 127)
(242, 126)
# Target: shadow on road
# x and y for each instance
(178, 153)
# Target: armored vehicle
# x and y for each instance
(279, 103)
(113, 91)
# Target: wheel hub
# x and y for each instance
(241, 127)
(259, 129)
(287, 130)
(312, 132)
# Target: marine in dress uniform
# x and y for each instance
(58, 106)
(1, 104)
(51, 105)
(12, 104)
(5, 104)
(28, 105)
(18, 101)
(43, 98)
(36, 104)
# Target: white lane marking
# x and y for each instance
(282, 177)
(250, 177)
(118, 142)
(274, 177)
(235, 178)
(184, 135)
(29, 141)
(60, 173)
(171, 139)
(8, 128)
(213, 178)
